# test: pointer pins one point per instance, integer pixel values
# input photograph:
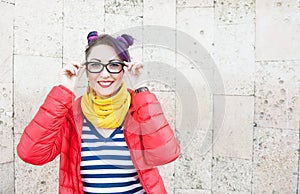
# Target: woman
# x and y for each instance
(111, 139)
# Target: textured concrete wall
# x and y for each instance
(240, 132)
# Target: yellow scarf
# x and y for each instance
(106, 113)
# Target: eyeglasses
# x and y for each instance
(113, 67)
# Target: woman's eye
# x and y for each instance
(94, 64)
(115, 64)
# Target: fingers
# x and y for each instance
(128, 66)
(71, 74)
(134, 68)
(72, 69)
(81, 69)
(137, 69)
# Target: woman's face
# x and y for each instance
(104, 83)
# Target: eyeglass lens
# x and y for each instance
(111, 67)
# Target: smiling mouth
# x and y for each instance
(105, 84)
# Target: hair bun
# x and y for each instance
(93, 35)
(126, 40)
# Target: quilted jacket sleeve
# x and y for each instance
(41, 139)
(158, 140)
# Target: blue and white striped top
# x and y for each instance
(106, 165)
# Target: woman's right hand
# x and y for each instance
(70, 75)
(134, 68)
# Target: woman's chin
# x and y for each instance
(106, 92)
(104, 95)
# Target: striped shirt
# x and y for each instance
(106, 165)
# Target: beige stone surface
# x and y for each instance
(298, 179)
(12, 2)
(194, 45)
(231, 175)
(275, 160)
(195, 3)
(192, 191)
(75, 42)
(235, 137)
(158, 60)
(7, 178)
(77, 28)
(194, 106)
(34, 78)
(197, 23)
(253, 45)
(277, 102)
(159, 46)
(167, 173)
(36, 179)
(91, 14)
(167, 101)
(277, 30)
(193, 167)
(229, 12)
(194, 89)
(6, 46)
(229, 192)
(115, 23)
(33, 179)
(127, 7)
(38, 28)
(234, 56)
(6, 123)
(159, 67)
(160, 12)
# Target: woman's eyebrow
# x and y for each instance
(114, 60)
(95, 59)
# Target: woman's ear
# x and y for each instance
(88, 89)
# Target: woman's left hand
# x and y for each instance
(134, 68)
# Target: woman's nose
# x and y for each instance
(104, 73)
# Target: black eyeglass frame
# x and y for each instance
(105, 65)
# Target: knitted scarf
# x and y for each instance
(106, 113)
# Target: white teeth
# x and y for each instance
(105, 83)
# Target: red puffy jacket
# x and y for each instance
(56, 129)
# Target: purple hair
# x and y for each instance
(119, 44)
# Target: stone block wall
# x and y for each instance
(227, 73)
